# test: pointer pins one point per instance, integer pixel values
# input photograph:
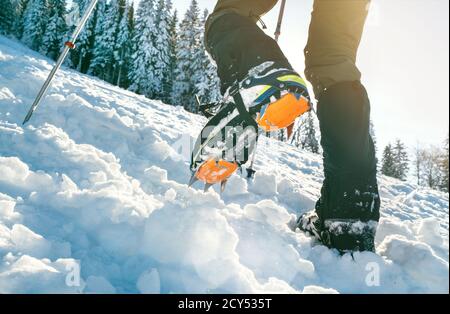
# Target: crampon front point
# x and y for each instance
(213, 171)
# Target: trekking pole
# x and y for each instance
(250, 171)
(67, 47)
(280, 20)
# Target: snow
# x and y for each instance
(96, 284)
(94, 199)
(149, 282)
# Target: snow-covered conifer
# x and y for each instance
(81, 56)
(19, 14)
(388, 162)
(401, 160)
(161, 67)
(7, 14)
(168, 85)
(34, 23)
(188, 67)
(141, 73)
(53, 38)
(207, 82)
(309, 141)
(123, 50)
(107, 24)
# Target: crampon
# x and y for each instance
(259, 103)
(214, 171)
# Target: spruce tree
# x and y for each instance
(56, 29)
(373, 135)
(73, 17)
(162, 70)
(168, 85)
(188, 67)
(102, 64)
(200, 78)
(214, 94)
(132, 24)
(388, 167)
(141, 73)
(100, 16)
(401, 160)
(207, 83)
(7, 14)
(35, 22)
(444, 185)
(281, 135)
(296, 140)
(309, 140)
(21, 6)
(124, 46)
(81, 56)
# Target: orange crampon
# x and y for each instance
(283, 112)
(273, 101)
(214, 171)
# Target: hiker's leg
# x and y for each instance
(334, 37)
(350, 189)
(235, 41)
(248, 8)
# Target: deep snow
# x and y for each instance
(97, 179)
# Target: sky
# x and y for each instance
(404, 59)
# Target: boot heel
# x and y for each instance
(351, 235)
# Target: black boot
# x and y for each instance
(264, 92)
(345, 235)
(348, 210)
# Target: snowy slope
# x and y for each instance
(98, 179)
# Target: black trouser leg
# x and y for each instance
(350, 189)
(237, 45)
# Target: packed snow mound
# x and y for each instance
(94, 198)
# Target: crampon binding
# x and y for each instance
(279, 99)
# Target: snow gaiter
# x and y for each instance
(237, 45)
(350, 188)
